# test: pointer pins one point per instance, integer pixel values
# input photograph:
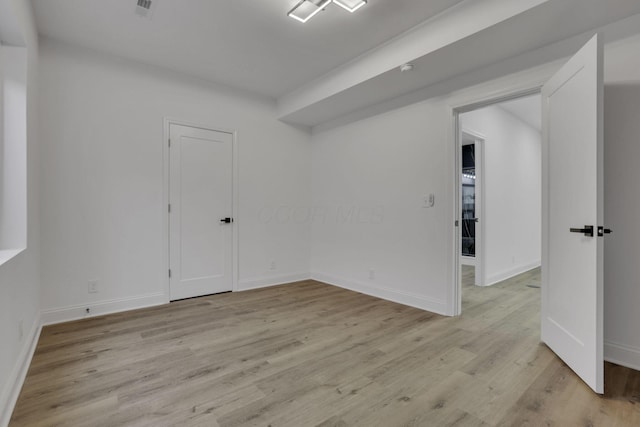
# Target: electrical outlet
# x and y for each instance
(273, 265)
(372, 275)
(20, 329)
(93, 286)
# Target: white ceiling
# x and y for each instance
(545, 33)
(527, 109)
(247, 44)
(340, 67)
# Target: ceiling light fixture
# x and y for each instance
(350, 5)
(307, 9)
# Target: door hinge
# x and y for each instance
(169, 273)
(457, 223)
(169, 142)
(169, 209)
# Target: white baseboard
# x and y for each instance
(13, 384)
(66, 314)
(507, 274)
(622, 355)
(406, 298)
(467, 260)
(265, 282)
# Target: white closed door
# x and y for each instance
(201, 211)
(572, 161)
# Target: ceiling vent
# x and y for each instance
(145, 8)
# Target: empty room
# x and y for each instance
(319, 213)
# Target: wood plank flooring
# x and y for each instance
(309, 354)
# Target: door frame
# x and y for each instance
(168, 121)
(518, 90)
(480, 205)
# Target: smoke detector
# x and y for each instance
(406, 67)
(145, 8)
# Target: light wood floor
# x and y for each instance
(309, 354)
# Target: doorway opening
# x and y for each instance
(471, 193)
(499, 197)
(572, 209)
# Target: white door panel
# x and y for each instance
(201, 246)
(572, 198)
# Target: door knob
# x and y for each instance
(587, 230)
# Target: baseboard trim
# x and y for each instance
(467, 260)
(622, 355)
(386, 293)
(507, 274)
(67, 314)
(14, 383)
(265, 282)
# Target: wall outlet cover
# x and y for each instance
(93, 286)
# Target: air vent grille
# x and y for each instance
(145, 4)
(145, 8)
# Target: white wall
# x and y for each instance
(20, 277)
(622, 213)
(622, 206)
(102, 180)
(512, 192)
(13, 158)
(380, 169)
(391, 160)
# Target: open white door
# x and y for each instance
(572, 198)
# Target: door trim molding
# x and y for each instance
(167, 122)
(531, 86)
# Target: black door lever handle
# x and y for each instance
(587, 230)
(226, 220)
